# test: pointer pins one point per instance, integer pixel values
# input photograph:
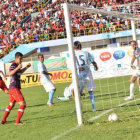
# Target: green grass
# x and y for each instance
(44, 122)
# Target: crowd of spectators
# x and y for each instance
(47, 20)
(11, 13)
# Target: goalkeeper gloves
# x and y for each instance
(133, 67)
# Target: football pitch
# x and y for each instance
(50, 123)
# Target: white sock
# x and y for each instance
(132, 86)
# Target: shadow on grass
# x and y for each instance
(122, 106)
(15, 108)
(36, 105)
(30, 120)
(106, 96)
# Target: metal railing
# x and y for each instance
(60, 35)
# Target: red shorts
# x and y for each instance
(16, 95)
(3, 86)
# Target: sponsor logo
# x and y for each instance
(130, 52)
(105, 56)
(120, 69)
(61, 75)
(119, 54)
(101, 73)
(30, 80)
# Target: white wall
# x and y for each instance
(59, 50)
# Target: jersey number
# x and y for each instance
(82, 60)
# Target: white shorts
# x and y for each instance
(88, 82)
(49, 86)
(135, 73)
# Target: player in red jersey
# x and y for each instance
(14, 89)
(2, 83)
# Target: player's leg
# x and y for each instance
(132, 87)
(81, 88)
(73, 96)
(9, 107)
(74, 111)
(51, 94)
(67, 94)
(90, 87)
(92, 99)
(62, 98)
(20, 112)
(7, 112)
(50, 87)
(20, 100)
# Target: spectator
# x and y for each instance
(47, 20)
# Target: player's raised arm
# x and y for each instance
(24, 69)
(14, 69)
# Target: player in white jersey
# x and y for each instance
(136, 74)
(83, 58)
(68, 92)
(45, 79)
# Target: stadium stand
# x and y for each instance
(23, 22)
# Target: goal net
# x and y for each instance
(111, 29)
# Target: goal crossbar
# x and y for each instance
(104, 12)
(128, 4)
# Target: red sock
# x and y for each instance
(7, 111)
(20, 113)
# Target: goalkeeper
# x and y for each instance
(136, 74)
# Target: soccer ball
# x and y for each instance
(113, 117)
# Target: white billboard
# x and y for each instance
(112, 62)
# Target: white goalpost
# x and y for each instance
(74, 71)
(133, 29)
(67, 9)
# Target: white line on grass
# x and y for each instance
(91, 119)
(100, 115)
(64, 133)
